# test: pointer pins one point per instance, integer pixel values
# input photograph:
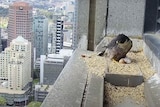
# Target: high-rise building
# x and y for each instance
(20, 21)
(19, 67)
(0, 42)
(56, 34)
(15, 72)
(50, 67)
(15, 64)
(40, 28)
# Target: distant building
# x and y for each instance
(50, 68)
(20, 21)
(56, 34)
(4, 38)
(51, 65)
(19, 66)
(41, 92)
(67, 53)
(0, 42)
(40, 28)
(4, 43)
(15, 72)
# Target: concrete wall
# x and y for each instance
(91, 20)
(100, 20)
(83, 17)
(152, 51)
(126, 16)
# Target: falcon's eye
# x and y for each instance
(120, 41)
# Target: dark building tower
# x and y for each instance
(0, 41)
(56, 34)
(40, 28)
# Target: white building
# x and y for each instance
(15, 64)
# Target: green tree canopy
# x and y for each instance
(2, 101)
(34, 104)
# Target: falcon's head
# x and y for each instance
(121, 38)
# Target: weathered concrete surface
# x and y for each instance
(82, 18)
(152, 91)
(91, 21)
(128, 102)
(95, 91)
(152, 50)
(126, 16)
(69, 88)
(124, 80)
(100, 20)
(83, 42)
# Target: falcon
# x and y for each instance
(117, 48)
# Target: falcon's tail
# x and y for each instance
(101, 53)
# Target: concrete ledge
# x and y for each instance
(152, 93)
(152, 50)
(70, 86)
(95, 91)
(153, 42)
(124, 80)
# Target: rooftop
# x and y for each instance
(20, 39)
(21, 3)
(8, 91)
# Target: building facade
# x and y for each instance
(16, 64)
(0, 42)
(20, 21)
(56, 34)
(50, 68)
(15, 71)
(19, 67)
(40, 28)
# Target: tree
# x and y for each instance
(34, 104)
(2, 101)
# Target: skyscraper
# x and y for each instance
(56, 34)
(20, 21)
(15, 71)
(16, 64)
(40, 26)
(0, 42)
(19, 68)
